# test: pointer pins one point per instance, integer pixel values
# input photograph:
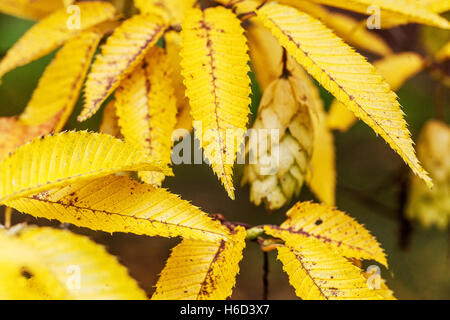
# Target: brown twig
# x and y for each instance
(246, 16)
(285, 73)
(175, 27)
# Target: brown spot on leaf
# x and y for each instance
(26, 273)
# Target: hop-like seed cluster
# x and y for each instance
(283, 161)
(432, 206)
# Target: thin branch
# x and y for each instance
(285, 73)
(246, 16)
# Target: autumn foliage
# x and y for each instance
(168, 68)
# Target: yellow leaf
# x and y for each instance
(23, 274)
(14, 133)
(431, 207)
(330, 226)
(46, 262)
(399, 9)
(443, 54)
(66, 158)
(349, 29)
(265, 53)
(437, 6)
(173, 10)
(406, 66)
(215, 69)
(68, 2)
(322, 176)
(379, 285)
(120, 204)
(110, 122)
(318, 273)
(339, 117)
(345, 73)
(52, 32)
(146, 108)
(241, 7)
(173, 47)
(121, 53)
(60, 85)
(198, 270)
(29, 9)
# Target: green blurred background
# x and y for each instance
(367, 188)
